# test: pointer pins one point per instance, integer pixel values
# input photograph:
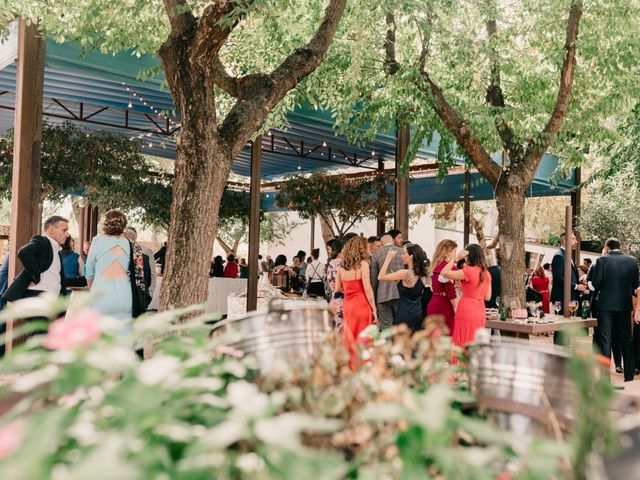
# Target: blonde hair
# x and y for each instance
(443, 249)
(114, 222)
(354, 252)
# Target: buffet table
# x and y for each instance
(219, 290)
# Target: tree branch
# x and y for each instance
(223, 79)
(537, 147)
(391, 65)
(212, 32)
(495, 96)
(460, 130)
(251, 110)
(180, 18)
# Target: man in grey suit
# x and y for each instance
(386, 293)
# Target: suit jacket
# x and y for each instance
(557, 270)
(616, 277)
(36, 257)
(384, 291)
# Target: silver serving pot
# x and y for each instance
(287, 332)
(524, 387)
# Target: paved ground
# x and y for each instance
(630, 388)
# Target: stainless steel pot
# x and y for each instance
(288, 331)
(524, 387)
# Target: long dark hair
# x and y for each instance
(280, 260)
(336, 248)
(420, 260)
(476, 258)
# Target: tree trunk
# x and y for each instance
(225, 247)
(510, 199)
(327, 233)
(202, 168)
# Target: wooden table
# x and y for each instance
(522, 330)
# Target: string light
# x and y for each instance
(324, 144)
(147, 104)
(373, 153)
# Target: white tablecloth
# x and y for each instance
(219, 290)
(237, 306)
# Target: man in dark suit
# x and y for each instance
(615, 277)
(558, 273)
(386, 293)
(42, 263)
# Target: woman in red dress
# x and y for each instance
(359, 308)
(540, 284)
(444, 292)
(475, 281)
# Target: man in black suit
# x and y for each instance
(42, 263)
(615, 277)
(557, 271)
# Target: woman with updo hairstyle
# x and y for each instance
(108, 265)
(411, 281)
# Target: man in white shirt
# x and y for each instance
(42, 264)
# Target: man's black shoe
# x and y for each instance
(619, 369)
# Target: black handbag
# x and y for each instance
(138, 295)
(533, 296)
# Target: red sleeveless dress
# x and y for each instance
(357, 316)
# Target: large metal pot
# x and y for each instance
(288, 331)
(525, 388)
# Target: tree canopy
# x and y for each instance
(105, 168)
(339, 200)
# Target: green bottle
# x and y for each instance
(503, 313)
(585, 309)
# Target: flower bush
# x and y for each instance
(86, 406)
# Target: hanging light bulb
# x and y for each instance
(130, 106)
(150, 144)
(299, 167)
(373, 153)
(324, 143)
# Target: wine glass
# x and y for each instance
(557, 307)
(573, 306)
(498, 301)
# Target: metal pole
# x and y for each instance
(312, 242)
(466, 207)
(576, 201)
(402, 183)
(381, 222)
(567, 259)
(254, 224)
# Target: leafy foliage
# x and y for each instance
(198, 410)
(233, 226)
(612, 210)
(341, 201)
(105, 168)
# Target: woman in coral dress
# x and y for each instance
(475, 281)
(444, 292)
(540, 284)
(359, 306)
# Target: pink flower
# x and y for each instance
(227, 350)
(76, 329)
(11, 436)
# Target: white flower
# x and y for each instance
(32, 380)
(158, 369)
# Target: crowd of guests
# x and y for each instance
(387, 281)
(113, 264)
(382, 281)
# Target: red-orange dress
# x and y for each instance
(357, 316)
(541, 285)
(470, 314)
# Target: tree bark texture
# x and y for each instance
(205, 148)
(510, 200)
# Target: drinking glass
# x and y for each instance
(557, 307)
(573, 306)
(498, 301)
